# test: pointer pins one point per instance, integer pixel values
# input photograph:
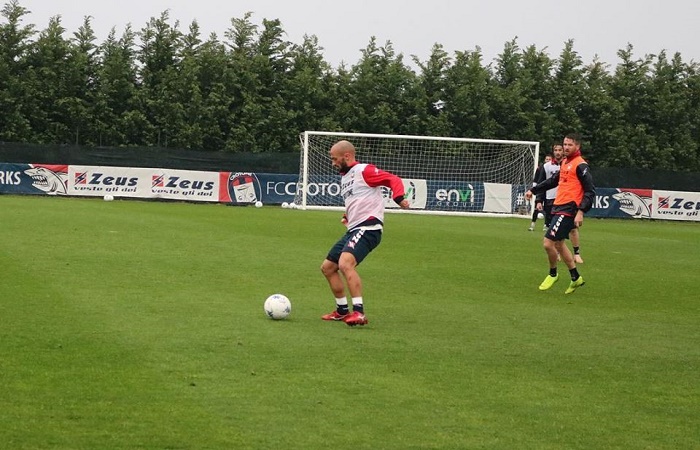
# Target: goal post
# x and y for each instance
(441, 175)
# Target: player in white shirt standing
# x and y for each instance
(364, 218)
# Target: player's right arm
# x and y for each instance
(376, 177)
(540, 174)
(546, 185)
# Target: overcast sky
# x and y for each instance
(598, 27)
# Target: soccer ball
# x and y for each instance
(108, 198)
(285, 205)
(540, 216)
(277, 307)
(258, 204)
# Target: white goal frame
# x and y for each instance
(501, 193)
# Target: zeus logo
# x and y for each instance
(355, 238)
(681, 203)
(663, 202)
(81, 178)
(176, 182)
(99, 178)
(157, 181)
(555, 227)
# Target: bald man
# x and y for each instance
(361, 188)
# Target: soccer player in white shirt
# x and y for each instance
(364, 218)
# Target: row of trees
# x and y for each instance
(255, 91)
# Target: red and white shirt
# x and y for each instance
(361, 189)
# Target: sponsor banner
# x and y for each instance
(247, 188)
(143, 183)
(520, 205)
(673, 205)
(40, 179)
(416, 191)
(622, 203)
(422, 194)
(240, 188)
(634, 203)
(325, 189)
(498, 198)
(182, 185)
(455, 196)
(278, 188)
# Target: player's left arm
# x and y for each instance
(377, 177)
(583, 173)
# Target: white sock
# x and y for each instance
(343, 301)
(356, 301)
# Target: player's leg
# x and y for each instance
(330, 270)
(548, 217)
(566, 226)
(535, 212)
(548, 213)
(576, 244)
(553, 240)
(551, 251)
(566, 256)
(360, 244)
(348, 267)
(576, 278)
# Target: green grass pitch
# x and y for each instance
(132, 324)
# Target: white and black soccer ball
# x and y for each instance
(277, 307)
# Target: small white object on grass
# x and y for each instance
(108, 198)
(277, 307)
(258, 204)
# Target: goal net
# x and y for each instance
(441, 175)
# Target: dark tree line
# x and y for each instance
(254, 91)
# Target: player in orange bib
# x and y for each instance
(575, 196)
